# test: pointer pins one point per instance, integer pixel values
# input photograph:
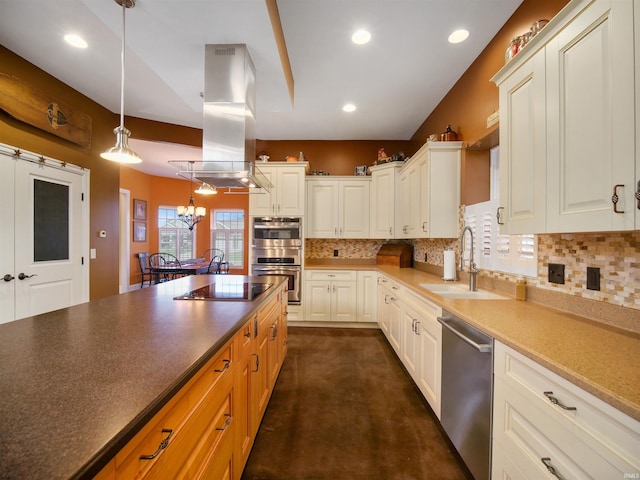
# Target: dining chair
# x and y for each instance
(217, 265)
(145, 268)
(159, 260)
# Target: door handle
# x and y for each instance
(22, 276)
(615, 198)
(8, 277)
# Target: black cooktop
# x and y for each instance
(229, 291)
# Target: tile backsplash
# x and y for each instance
(616, 254)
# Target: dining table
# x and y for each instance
(174, 270)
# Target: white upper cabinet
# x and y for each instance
(590, 121)
(287, 196)
(523, 149)
(384, 218)
(338, 207)
(568, 129)
(429, 192)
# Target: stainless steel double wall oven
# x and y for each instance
(277, 250)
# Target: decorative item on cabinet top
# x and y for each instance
(520, 41)
(383, 158)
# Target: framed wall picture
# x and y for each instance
(139, 231)
(361, 170)
(139, 209)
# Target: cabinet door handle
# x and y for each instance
(615, 198)
(257, 362)
(390, 231)
(417, 330)
(557, 402)
(8, 277)
(413, 325)
(424, 227)
(226, 423)
(499, 215)
(638, 194)
(551, 468)
(227, 364)
(274, 330)
(163, 444)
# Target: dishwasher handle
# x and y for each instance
(481, 347)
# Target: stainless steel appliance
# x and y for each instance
(283, 262)
(467, 375)
(270, 232)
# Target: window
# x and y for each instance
(173, 234)
(516, 254)
(227, 234)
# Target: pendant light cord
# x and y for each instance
(124, 7)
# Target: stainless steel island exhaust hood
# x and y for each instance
(228, 132)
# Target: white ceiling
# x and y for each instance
(396, 80)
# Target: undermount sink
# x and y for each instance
(460, 291)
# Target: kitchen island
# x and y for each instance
(77, 384)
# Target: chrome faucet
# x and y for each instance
(473, 271)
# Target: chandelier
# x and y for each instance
(191, 214)
(121, 152)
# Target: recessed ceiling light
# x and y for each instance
(349, 107)
(361, 37)
(459, 36)
(75, 40)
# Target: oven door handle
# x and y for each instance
(274, 269)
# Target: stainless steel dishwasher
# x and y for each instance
(467, 378)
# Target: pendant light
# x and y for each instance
(121, 152)
(206, 189)
(191, 214)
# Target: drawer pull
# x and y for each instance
(226, 423)
(163, 444)
(227, 364)
(551, 468)
(557, 402)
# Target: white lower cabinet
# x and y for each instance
(411, 326)
(330, 295)
(547, 427)
(366, 296)
(340, 296)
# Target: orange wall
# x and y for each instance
(338, 157)
(162, 191)
(474, 97)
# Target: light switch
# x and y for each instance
(92, 253)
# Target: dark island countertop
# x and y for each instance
(78, 383)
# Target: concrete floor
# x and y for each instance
(345, 408)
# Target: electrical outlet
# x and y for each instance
(593, 278)
(335, 253)
(556, 273)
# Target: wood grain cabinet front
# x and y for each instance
(166, 446)
(207, 429)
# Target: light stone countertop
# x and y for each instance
(601, 359)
